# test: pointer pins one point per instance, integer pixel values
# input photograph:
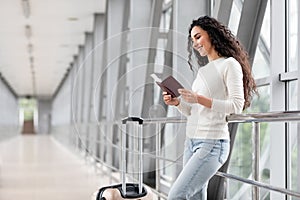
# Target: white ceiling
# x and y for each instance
(57, 29)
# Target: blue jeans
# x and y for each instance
(201, 160)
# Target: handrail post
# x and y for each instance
(255, 157)
(158, 145)
(141, 164)
(123, 157)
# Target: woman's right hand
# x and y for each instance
(169, 100)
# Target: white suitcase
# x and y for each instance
(125, 190)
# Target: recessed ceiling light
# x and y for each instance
(64, 45)
(28, 31)
(30, 48)
(31, 59)
(60, 62)
(72, 18)
(26, 8)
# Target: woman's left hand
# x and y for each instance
(188, 95)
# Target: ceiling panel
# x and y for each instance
(56, 27)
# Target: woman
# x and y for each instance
(223, 86)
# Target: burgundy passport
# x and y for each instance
(171, 86)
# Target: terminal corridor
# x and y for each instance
(36, 167)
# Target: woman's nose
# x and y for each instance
(195, 44)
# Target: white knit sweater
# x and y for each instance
(221, 80)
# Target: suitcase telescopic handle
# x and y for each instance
(123, 155)
(133, 119)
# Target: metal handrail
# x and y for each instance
(255, 119)
(258, 184)
(264, 117)
(240, 118)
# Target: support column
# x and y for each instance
(145, 17)
(222, 10)
(253, 12)
(115, 14)
(89, 75)
(277, 130)
(98, 97)
(79, 84)
(98, 49)
(140, 27)
(114, 22)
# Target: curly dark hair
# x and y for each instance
(226, 45)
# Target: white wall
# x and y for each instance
(9, 112)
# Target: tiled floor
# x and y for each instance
(39, 168)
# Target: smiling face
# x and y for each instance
(202, 43)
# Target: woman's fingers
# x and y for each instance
(168, 99)
(188, 95)
(185, 93)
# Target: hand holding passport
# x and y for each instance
(169, 85)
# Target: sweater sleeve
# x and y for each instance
(233, 77)
(184, 108)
